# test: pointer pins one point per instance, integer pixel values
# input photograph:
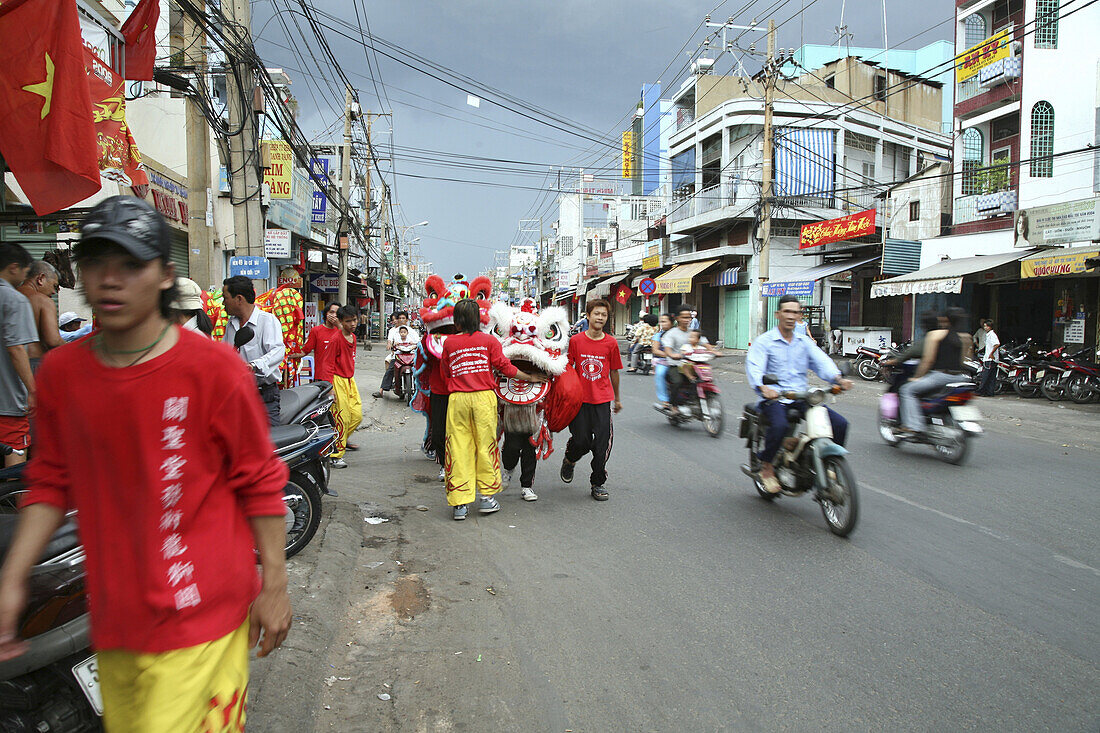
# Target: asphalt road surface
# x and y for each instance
(966, 599)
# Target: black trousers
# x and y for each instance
(269, 393)
(591, 430)
(989, 379)
(387, 377)
(518, 449)
(439, 424)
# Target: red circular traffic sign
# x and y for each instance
(648, 286)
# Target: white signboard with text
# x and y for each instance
(277, 243)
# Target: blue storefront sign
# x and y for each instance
(254, 268)
(799, 288)
(320, 199)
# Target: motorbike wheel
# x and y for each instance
(716, 421)
(840, 506)
(1051, 387)
(867, 369)
(1000, 386)
(1080, 390)
(407, 386)
(302, 500)
(955, 451)
(1025, 389)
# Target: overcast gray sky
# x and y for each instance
(583, 61)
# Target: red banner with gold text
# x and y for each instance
(119, 159)
(837, 230)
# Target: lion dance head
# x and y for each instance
(438, 308)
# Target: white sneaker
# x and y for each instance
(505, 477)
(442, 474)
(529, 494)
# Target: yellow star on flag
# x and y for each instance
(45, 88)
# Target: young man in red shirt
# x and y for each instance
(471, 359)
(320, 336)
(156, 436)
(340, 365)
(595, 356)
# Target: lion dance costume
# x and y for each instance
(532, 412)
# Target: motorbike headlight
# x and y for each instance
(815, 397)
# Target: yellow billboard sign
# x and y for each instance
(279, 174)
(974, 59)
(628, 154)
(1066, 263)
(652, 262)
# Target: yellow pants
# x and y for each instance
(200, 689)
(347, 411)
(472, 453)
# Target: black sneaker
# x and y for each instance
(599, 493)
(567, 471)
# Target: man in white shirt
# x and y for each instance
(400, 320)
(992, 346)
(264, 352)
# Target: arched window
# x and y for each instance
(1042, 140)
(975, 29)
(972, 149)
(1046, 24)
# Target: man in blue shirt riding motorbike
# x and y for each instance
(789, 356)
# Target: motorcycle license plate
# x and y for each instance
(966, 413)
(1066, 375)
(87, 676)
(1039, 374)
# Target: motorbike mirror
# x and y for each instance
(243, 336)
(771, 379)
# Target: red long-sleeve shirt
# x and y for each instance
(469, 360)
(165, 462)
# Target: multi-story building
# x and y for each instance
(1026, 101)
(842, 134)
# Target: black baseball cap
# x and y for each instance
(128, 222)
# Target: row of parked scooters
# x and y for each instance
(54, 686)
(1025, 369)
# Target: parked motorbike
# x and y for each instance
(647, 363)
(950, 422)
(54, 685)
(307, 403)
(1054, 375)
(404, 364)
(305, 449)
(808, 460)
(867, 361)
(698, 400)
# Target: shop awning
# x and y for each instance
(726, 277)
(1059, 262)
(678, 279)
(943, 277)
(636, 281)
(802, 283)
(603, 287)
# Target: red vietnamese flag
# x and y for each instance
(47, 136)
(139, 30)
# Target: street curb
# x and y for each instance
(284, 681)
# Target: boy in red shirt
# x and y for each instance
(472, 459)
(340, 364)
(157, 437)
(595, 356)
(320, 336)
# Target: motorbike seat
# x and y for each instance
(285, 435)
(63, 540)
(296, 399)
(961, 385)
(752, 409)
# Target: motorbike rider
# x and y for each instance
(941, 363)
(660, 361)
(643, 335)
(789, 356)
(672, 343)
(400, 320)
(929, 321)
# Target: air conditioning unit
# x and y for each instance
(702, 66)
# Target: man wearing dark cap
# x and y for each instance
(157, 438)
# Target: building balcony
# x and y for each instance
(983, 206)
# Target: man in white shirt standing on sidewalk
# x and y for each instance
(992, 346)
(264, 352)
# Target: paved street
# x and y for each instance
(965, 599)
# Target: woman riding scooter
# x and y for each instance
(941, 364)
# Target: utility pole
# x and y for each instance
(384, 230)
(344, 235)
(244, 160)
(771, 75)
(200, 257)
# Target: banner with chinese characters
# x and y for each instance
(119, 159)
(628, 154)
(974, 59)
(837, 230)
